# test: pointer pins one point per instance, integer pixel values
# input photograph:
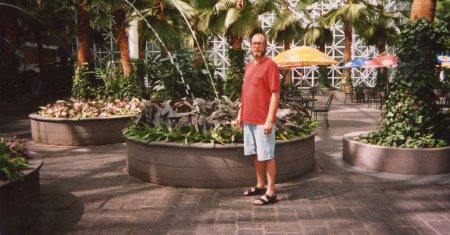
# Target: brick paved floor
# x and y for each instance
(85, 190)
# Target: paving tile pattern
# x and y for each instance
(85, 190)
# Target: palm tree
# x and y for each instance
(235, 19)
(286, 28)
(165, 18)
(118, 9)
(84, 33)
(352, 13)
(423, 9)
(380, 31)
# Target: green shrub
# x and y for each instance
(411, 105)
(323, 81)
(235, 74)
(13, 159)
(166, 83)
(82, 87)
(109, 84)
(116, 85)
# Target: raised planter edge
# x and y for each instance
(20, 200)
(404, 161)
(78, 131)
(152, 163)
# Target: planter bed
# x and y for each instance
(405, 161)
(19, 200)
(73, 131)
(213, 166)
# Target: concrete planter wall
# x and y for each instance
(405, 161)
(19, 201)
(213, 166)
(73, 131)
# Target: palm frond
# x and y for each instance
(223, 5)
(231, 17)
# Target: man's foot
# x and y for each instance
(254, 191)
(265, 200)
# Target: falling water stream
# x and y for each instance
(168, 52)
(199, 48)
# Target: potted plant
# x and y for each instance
(413, 138)
(195, 144)
(95, 114)
(19, 186)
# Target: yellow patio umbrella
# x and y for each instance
(302, 56)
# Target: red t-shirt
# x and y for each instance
(260, 81)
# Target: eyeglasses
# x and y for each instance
(258, 43)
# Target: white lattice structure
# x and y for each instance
(219, 46)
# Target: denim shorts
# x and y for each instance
(256, 142)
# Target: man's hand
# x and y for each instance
(268, 127)
(238, 123)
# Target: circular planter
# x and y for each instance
(75, 132)
(19, 200)
(213, 166)
(405, 161)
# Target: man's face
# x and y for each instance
(258, 45)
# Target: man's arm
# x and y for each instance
(272, 115)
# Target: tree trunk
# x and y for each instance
(84, 34)
(423, 9)
(236, 43)
(322, 47)
(382, 76)
(347, 85)
(381, 48)
(122, 41)
(287, 74)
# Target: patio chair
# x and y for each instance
(323, 110)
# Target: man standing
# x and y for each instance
(257, 115)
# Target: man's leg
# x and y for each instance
(271, 169)
(260, 167)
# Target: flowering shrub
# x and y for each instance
(74, 108)
(13, 158)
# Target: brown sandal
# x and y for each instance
(254, 191)
(265, 200)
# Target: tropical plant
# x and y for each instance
(235, 74)
(166, 81)
(352, 13)
(166, 18)
(208, 121)
(411, 103)
(234, 19)
(381, 30)
(82, 87)
(13, 158)
(287, 28)
(84, 33)
(116, 85)
(117, 9)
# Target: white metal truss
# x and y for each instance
(217, 52)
